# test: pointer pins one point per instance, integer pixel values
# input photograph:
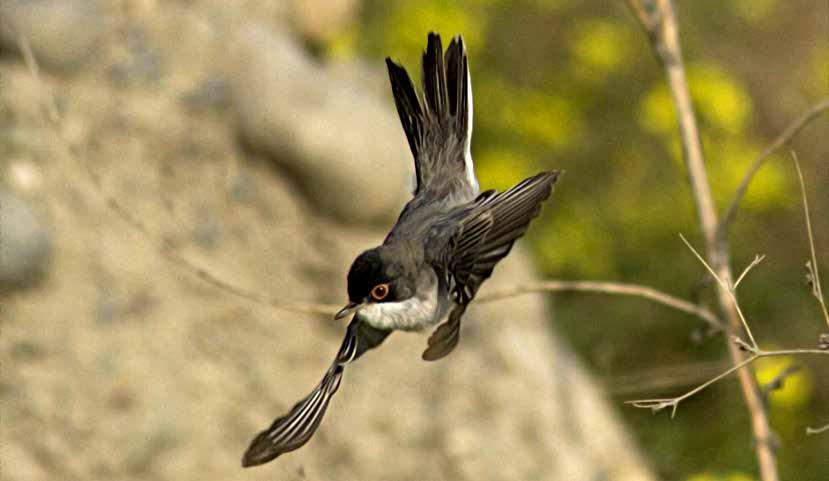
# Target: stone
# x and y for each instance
(342, 144)
(25, 244)
(62, 34)
(320, 20)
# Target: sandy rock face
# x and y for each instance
(63, 35)
(339, 143)
(122, 364)
(24, 242)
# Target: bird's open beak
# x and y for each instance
(348, 309)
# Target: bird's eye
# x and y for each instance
(380, 291)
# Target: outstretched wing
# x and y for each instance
(438, 128)
(294, 429)
(485, 234)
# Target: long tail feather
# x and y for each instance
(293, 430)
(434, 78)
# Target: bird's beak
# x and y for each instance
(348, 309)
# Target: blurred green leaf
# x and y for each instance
(602, 46)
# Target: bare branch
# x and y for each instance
(657, 17)
(729, 289)
(819, 430)
(647, 14)
(812, 266)
(613, 288)
(216, 281)
(788, 133)
(659, 404)
(656, 405)
(743, 346)
(778, 380)
(661, 378)
(757, 259)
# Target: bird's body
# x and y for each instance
(444, 245)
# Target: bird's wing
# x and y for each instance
(438, 128)
(294, 429)
(484, 235)
(446, 336)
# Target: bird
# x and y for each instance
(445, 243)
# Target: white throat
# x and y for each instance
(424, 309)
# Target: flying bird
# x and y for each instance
(445, 243)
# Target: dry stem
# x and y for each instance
(729, 288)
(812, 265)
(613, 288)
(657, 18)
(781, 140)
(659, 404)
(819, 430)
(661, 378)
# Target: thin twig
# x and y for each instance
(817, 290)
(778, 380)
(664, 377)
(29, 59)
(613, 288)
(729, 289)
(819, 430)
(757, 259)
(782, 139)
(658, 404)
(216, 281)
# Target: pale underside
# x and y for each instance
(424, 310)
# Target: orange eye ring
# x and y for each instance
(380, 291)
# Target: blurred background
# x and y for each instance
(259, 140)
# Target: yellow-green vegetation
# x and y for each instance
(720, 477)
(795, 391)
(755, 11)
(601, 46)
(530, 115)
(722, 105)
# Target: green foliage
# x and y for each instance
(754, 11)
(601, 46)
(529, 116)
(796, 390)
(720, 477)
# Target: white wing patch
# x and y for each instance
(467, 148)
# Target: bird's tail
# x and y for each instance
(438, 128)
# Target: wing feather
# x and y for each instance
(490, 229)
(485, 234)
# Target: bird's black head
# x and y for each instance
(382, 274)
